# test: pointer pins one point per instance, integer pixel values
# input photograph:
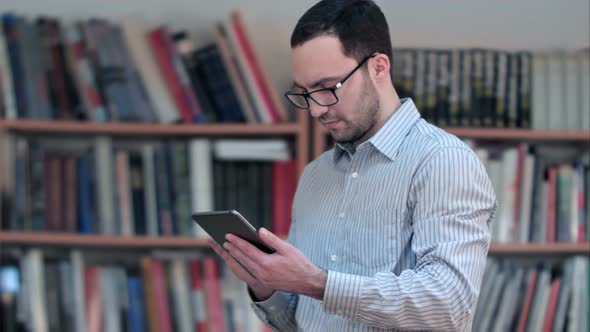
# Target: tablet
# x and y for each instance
(219, 223)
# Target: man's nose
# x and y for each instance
(317, 110)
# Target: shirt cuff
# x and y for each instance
(342, 294)
(277, 302)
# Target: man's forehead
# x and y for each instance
(317, 59)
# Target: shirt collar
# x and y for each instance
(389, 137)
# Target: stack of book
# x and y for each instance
(97, 70)
(496, 88)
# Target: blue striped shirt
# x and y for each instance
(402, 227)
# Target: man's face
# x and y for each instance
(320, 63)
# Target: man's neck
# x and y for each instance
(389, 104)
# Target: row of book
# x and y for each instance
(496, 88)
(103, 186)
(74, 293)
(543, 194)
(547, 297)
(98, 70)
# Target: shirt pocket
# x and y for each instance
(374, 239)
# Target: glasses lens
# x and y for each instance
(324, 97)
(298, 101)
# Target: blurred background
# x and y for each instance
(120, 118)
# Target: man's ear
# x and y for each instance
(380, 67)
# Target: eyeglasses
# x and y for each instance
(324, 96)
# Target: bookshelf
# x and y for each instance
(320, 136)
(184, 243)
(297, 130)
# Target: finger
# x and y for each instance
(248, 262)
(234, 265)
(248, 248)
(273, 241)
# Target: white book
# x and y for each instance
(136, 36)
(104, 184)
(526, 198)
(495, 172)
(201, 177)
(149, 186)
(77, 263)
(251, 149)
(509, 192)
(181, 296)
(37, 291)
(577, 315)
(540, 108)
(124, 193)
(6, 79)
(108, 289)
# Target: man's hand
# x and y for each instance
(286, 270)
(262, 293)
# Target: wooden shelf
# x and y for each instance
(320, 135)
(149, 129)
(540, 249)
(522, 134)
(146, 242)
(99, 241)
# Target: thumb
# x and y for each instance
(272, 240)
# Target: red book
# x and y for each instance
(161, 297)
(93, 299)
(165, 64)
(213, 295)
(198, 297)
(69, 204)
(283, 186)
(552, 305)
(528, 299)
(266, 90)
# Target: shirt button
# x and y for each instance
(342, 215)
(334, 258)
(355, 175)
(339, 312)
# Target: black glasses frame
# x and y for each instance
(332, 89)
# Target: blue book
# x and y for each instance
(85, 199)
(135, 319)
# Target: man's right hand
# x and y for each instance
(260, 292)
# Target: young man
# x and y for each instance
(390, 228)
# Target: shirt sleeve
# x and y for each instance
(452, 204)
(278, 311)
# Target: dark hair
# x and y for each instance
(360, 26)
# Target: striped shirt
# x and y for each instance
(402, 227)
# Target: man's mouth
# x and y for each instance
(330, 123)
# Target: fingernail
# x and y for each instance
(228, 237)
(225, 245)
(263, 232)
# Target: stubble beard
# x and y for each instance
(368, 104)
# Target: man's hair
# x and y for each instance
(360, 26)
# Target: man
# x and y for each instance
(390, 228)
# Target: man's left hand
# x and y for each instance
(287, 269)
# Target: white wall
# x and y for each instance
(517, 24)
